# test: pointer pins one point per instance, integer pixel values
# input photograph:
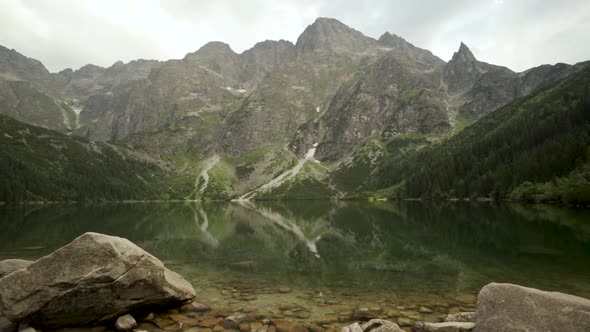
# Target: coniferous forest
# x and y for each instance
(42, 165)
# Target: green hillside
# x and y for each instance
(42, 165)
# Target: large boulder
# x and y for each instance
(94, 278)
(8, 266)
(508, 307)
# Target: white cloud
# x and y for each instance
(71, 33)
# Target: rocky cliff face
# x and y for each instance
(15, 66)
(464, 70)
(392, 94)
(496, 88)
(330, 35)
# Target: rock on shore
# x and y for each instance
(505, 307)
(509, 307)
(94, 278)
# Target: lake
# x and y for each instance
(321, 260)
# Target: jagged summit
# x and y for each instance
(20, 66)
(464, 53)
(212, 48)
(117, 64)
(391, 39)
(328, 21)
(464, 70)
(329, 34)
(402, 47)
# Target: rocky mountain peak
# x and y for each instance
(17, 66)
(392, 40)
(215, 46)
(89, 70)
(464, 70)
(263, 58)
(117, 64)
(402, 48)
(464, 54)
(328, 34)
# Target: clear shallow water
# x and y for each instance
(321, 260)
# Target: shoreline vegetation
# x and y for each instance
(133, 290)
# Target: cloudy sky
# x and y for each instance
(515, 33)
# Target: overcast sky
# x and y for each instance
(518, 34)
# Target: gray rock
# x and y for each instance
(94, 278)
(10, 265)
(354, 327)
(508, 307)
(444, 327)
(461, 317)
(125, 323)
(380, 325)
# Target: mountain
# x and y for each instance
(312, 119)
(533, 148)
(14, 65)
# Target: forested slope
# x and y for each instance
(38, 164)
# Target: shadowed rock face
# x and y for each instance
(508, 307)
(94, 278)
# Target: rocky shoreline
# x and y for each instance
(104, 283)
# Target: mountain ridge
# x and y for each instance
(346, 96)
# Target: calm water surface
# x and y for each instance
(324, 259)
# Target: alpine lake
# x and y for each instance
(331, 261)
